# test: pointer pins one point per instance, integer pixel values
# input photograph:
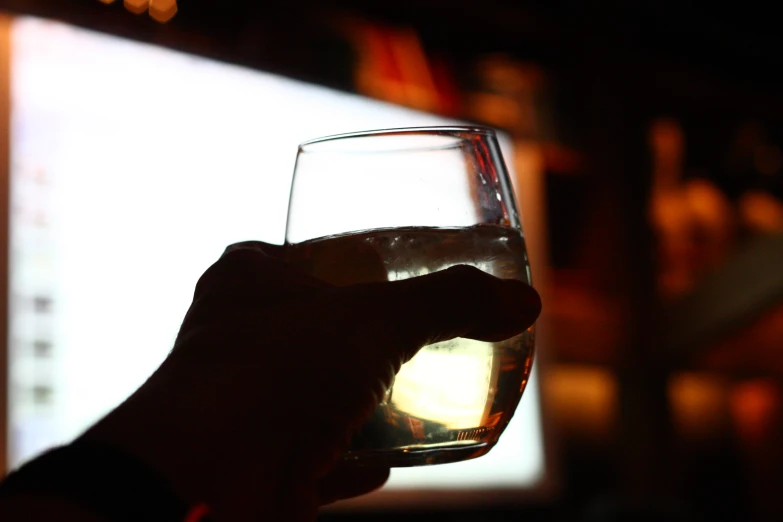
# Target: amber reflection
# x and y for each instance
(160, 10)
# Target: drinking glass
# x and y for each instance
(392, 204)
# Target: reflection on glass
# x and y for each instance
(451, 383)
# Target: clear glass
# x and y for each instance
(393, 204)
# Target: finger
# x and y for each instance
(247, 276)
(250, 267)
(347, 482)
(461, 301)
(255, 265)
(267, 249)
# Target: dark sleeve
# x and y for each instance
(107, 482)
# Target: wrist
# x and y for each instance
(94, 482)
(161, 439)
(198, 446)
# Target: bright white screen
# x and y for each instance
(132, 168)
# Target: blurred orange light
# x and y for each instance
(754, 405)
(159, 10)
(136, 6)
(699, 404)
(583, 399)
(393, 66)
(761, 211)
(163, 10)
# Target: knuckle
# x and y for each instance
(229, 266)
(471, 283)
(466, 271)
(469, 276)
(240, 257)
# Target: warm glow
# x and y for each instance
(160, 10)
(761, 211)
(693, 219)
(136, 6)
(393, 66)
(754, 405)
(667, 142)
(583, 399)
(699, 404)
(447, 383)
(163, 10)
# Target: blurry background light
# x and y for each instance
(160, 10)
(163, 10)
(136, 6)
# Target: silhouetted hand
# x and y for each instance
(273, 371)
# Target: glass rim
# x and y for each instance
(443, 130)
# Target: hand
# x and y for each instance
(273, 371)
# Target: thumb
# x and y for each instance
(461, 301)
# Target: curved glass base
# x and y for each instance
(419, 455)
